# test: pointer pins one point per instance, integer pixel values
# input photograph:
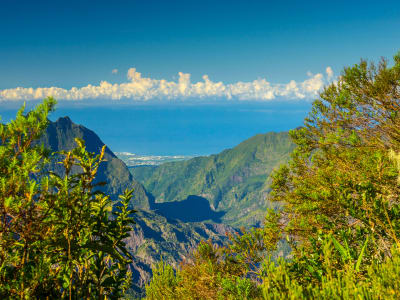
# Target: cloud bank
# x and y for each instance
(140, 88)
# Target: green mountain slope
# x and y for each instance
(60, 135)
(234, 182)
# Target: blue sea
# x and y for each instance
(178, 128)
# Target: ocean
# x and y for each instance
(178, 128)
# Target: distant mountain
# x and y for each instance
(233, 183)
(60, 135)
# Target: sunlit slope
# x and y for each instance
(234, 182)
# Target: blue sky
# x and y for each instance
(75, 43)
(272, 53)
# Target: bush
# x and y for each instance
(59, 237)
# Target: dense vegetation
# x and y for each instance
(59, 236)
(233, 182)
(341, 212)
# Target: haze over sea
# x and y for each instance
(180, 128)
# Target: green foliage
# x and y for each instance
(219, 272)
(342, 174)
(59, 237)
(380, 281)
(341, 189)
(164, 282)
(238, 289)
(341, 213)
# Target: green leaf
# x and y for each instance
(340, 248)
(7, 202)
(360, 257)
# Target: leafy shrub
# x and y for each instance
(59, 237)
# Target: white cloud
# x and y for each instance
(329, 72)
(114, 71)
(139, 88)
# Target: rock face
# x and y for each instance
(60, 135)
(233, 182)
(155, 237)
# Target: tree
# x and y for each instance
(59, 236)
(343, 176)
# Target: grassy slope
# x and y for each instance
(233, 181)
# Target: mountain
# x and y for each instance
(153, 237)
(233, 183)
(60, 135)
(225, 188)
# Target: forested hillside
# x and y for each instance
(234, 182)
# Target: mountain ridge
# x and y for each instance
(60, 135)
(233, 181)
